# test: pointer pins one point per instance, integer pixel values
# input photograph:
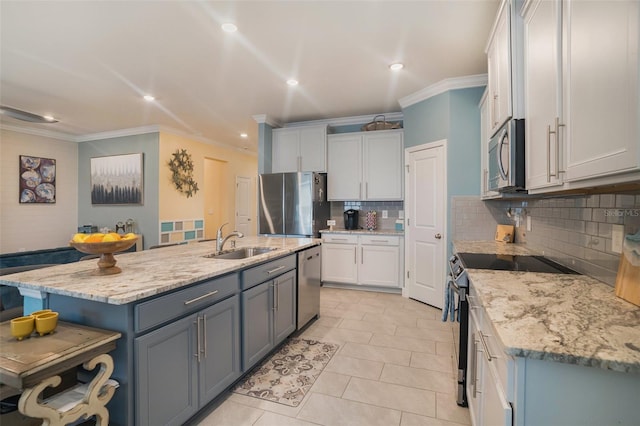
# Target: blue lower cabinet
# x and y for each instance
(268, 317)
(184, 365)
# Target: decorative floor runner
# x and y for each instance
(288, 375)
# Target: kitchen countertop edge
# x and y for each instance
(363, 232)
(159, 271)
(586, 324)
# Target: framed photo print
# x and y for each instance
(37, 180)
(117, 179)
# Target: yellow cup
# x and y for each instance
(46, 322)
(22, 327)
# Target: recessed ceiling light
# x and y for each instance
(244, 135)
(396, 67)
(149, 98)
(292, 82)
(228, 27)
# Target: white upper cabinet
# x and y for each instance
(601, 88)
(365, 166)
(299, 149)
(499, 70)
(542, 93)
(581, 93)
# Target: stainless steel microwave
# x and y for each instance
(506, 158)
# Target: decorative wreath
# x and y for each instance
(181, 167)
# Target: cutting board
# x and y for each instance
(505, 233)
(628, 281)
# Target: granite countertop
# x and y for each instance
(149, 272)
(363, 232)
(572, 319)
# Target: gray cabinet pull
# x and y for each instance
(379, 241)
(204, 334)
(198, 349)
(275, 269)
(204, 296)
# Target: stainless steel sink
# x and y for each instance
(240, 253)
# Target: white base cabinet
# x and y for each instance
(506, 390)
(370, 260)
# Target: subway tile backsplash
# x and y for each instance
(575, 231)
(393, 208)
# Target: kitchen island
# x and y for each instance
(562, 349)
(168, 304)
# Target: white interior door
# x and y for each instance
(425, 204)
(243, 210)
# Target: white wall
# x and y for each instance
(37, 226)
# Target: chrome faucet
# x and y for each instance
(220, 241)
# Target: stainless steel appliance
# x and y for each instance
(293, 204)
(506, 158)
(460, 281)
(351, 219)
(309, 266)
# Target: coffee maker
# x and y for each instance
(351, 219)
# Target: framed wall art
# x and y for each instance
(37, 180)
(117, 179)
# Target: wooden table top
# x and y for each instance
(27, 362)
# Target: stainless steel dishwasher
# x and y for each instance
(309, 262)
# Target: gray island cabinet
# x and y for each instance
(191, 326)
(269, 307)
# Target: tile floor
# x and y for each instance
(395, 366)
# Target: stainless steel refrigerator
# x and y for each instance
(293, 204)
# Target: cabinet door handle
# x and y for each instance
(379, 241)
(362, 255)
(366, 190)
(338, 239)
(360, 191)
(275, 269)
(204, 334)
(548, 154)
(355, 255)
(204, 296)
(198, 349)
(487, 354)
(474, 365)
(557, 132)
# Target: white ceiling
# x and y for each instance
(88, 63)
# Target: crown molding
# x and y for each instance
(39, 132)
(202, 139)
(117, 133)
(444, 86)
(346, 121)
(265, 119)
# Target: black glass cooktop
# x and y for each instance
(503, 262)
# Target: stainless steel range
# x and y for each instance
(458, 263)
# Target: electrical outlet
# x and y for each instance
(385, 214)
(400, 214)
(331, 222)
(617, 235)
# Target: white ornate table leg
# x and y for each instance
(97, 395)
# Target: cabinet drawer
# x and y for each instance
(267, 271)
(165, 308)
(379, 240)
(340, 238)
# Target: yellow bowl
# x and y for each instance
(43, 311)
(46, 322)
(22, 327)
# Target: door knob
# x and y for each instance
(438, 236)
